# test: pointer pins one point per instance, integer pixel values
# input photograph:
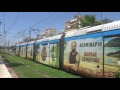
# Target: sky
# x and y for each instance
(18, 24)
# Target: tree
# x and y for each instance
(76, 26)
(0, 47)
(98, 23)
(106, 20)
(88, 20)
(26, 39)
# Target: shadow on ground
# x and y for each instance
(9, 64)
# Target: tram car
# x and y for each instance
(90, 52)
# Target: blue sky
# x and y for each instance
(25, 20)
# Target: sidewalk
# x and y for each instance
(4, 73)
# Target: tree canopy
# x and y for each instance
(90, 20)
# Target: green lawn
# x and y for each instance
(28, 69)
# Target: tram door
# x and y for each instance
(111, 57)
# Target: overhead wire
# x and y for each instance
(9, 28)
(15, 21)
(41, 21)
(60, 16)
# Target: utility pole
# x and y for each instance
(0, 34)
(4, 36)
(101, 16)
(4, 31)
(0, 22)
(8, 45)
(30, 35)
(36, 33)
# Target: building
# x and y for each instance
(61, 32)
(49, 32)
(73, 23)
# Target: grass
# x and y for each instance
(28, 69)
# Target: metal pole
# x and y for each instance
(0, 22)
(4, 31)
(101, 16)
(4, 38)
(8, 45)
(30, 34)
(36, 33)
(0, 34)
